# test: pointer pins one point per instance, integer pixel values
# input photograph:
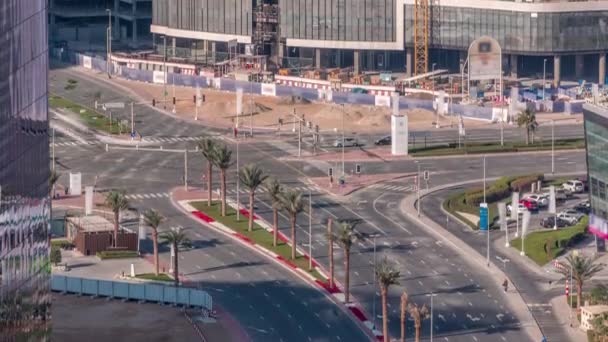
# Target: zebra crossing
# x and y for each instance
(263, 190)
(170, 139)
(392, 187)
(73, 143)
(148, 196)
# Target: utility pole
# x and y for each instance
(109, 43)
(251, 107)
(173, 86)
(343, 171)
(487, 218)
(552, 147)
(418, 187)
(53, 149)
(238, 202)
(299, 136)
(309, 231)
(374, 272)
(544, 76)
(186, 169)
(165, 71)
(132, 121)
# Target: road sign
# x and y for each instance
(483, 216)
(358, 168)
(330, 171)
(427, 175)
(113, 105)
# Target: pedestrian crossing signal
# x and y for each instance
(153, 102)
(174, 101)
(358, 168)
(331, 171)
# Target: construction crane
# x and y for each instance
(421, 36)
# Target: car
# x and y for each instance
(574, 213)
(383, 141)
(549, 222)
(521, 207)
(570, 219)
(574, 186)
(583, 207)
(562, 194)
(530, 204)
(542, 200)
(348, 142)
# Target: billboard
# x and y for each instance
(485, 59)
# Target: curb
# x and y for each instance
(335, 294)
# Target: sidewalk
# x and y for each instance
(514, 298)
(355, 182)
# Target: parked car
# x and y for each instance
(383, 141)
(574, 185)
(562, 194)
(530, 204)
(549, 222)
(570, 219)
(574, 213)
(348, 142)
(542, 200)
(583, 207)
(521, 207)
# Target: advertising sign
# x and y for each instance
(159, 77)
(552, 206)
(514, 206)
(502, 215)
(483, 216)
(269, 89)
(87, 62)
(485, 59)
(382, 101)
(75, 184)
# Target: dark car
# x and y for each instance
(549, 222)
(383, 141)
(583, 208)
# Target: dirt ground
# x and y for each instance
(220, 108)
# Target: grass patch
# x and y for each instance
(117, 255)
(61, 243)
(152, 276)
(259, 235)
(491, 147)
(544, 246)
(90, 117)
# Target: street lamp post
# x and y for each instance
(544, 76)
(186, 169)
(251, 108)
(309, 231)
(165, 71)
(53, 150)
(487, 220)
(432, 314)
(553, 147)
(343, 172)
(374, 301)
(437, 104)
(238, 202)
(418, 186)
(109, 43)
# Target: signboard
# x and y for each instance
(382, 101)
(113, 105)
(396, 104)
(75, 184)
(483, 216)
(515, 206)
(269, 89)
(399, 135)
(87, 62)
(502, 215)
(88, 200)
(159, 77)
(485, 59)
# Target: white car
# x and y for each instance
(574, 185)
(348, 142)
(570, 219)
(574, 213)
(542, 200)
(521, 207)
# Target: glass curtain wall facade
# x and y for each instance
(596, 135)
(517, 32)
(215, 16)
(24, 172)
(341, 20)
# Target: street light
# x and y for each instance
(436, 111)
(109, 43)
(418, 186)
(431, 295)
(343, 140)
(165, 71)
(552, 146)
(309, 231)
(487, 219)
(544, 76)
(504, 262)
(374, 236)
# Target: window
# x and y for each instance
(594, 187)
(602, 190)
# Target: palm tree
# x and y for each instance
(176, 238)
(387, 275)
(251, 176)
(222, 160)
(330, 252)
(208, 148)
(53, 178)
(418, 314)
(153, 219)
(275, 191)
(116, 201)
(527, 119)
(600, 326)
(583, 268)
(404, 299)
(346, 237)
(293, 204)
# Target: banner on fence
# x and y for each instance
(325, 95)
(87, 62)
(382, 101)
(159, 77)
(217, 83)
(269, 89)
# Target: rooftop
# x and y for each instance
(595, 309)
(91, 224)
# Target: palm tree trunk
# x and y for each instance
(293, 236)
(116, 218)
(175, 264)
(403, 311)
(417, 332)
(209, 182)
(155, 243)
(383, 293)
(223, 191)
(346, 275)
(251, 199)
(527, 136)
(579, 293)
(330, 252)
(275, 224)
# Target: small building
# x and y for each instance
(588, 313)
(92, 234)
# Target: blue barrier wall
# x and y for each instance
(132, 291)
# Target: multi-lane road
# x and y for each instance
(269, 302)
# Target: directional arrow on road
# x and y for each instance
(441, 317)
(473, 319)
(499, 316)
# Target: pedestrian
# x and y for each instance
(505, 284)
(66, 190)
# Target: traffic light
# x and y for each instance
(358, 168)
(174, 101)
(194, 99)
(331, 171)
(153, 102)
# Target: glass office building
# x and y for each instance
(24, 172)
(596, 135)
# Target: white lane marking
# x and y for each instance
(386, 217)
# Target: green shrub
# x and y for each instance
(117, 254)
(62, 243)
(55, 255)
(523, 183)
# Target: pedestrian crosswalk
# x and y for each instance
(263, 190)
(170, 139)
(73, 143)
(148, 196)
(392, 187)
